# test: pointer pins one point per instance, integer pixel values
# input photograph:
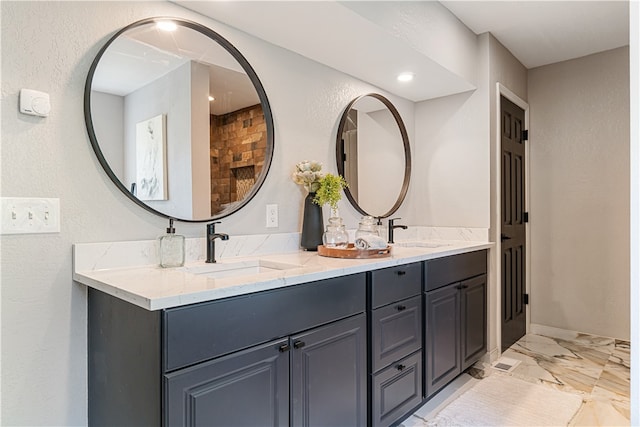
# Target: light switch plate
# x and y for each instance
(23, 215)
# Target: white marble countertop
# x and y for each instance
(155, 288)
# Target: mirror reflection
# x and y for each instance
(179, 120)
(373, 155)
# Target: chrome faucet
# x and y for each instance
(392, 226)
(211, 241)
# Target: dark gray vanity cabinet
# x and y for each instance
(396, 342)
(456, 316)
(324, 368)
(291, 356)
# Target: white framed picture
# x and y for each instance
(151, 159)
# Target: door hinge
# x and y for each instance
(526, 299)
(525, 135)
(525, 217)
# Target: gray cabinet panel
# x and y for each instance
(444, 271)
(395, 283)
(328, 375)
(193, 333)
(396, 331)
(473, 302)
(397, 390)
(123, 363)
(247, 388)
(442, 337)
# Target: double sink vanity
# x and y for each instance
(277, 337)
(281, 339)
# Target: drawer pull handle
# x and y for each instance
(401, 272)
(283, 348)
(400, 367)
(401, 307)
(299, 344)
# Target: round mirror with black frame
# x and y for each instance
(373, 155)
(179, 119)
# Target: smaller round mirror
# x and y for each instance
(373, 155)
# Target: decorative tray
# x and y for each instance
(352, 252)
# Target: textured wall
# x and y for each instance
(49, 46)
(579, 115)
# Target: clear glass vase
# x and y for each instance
(367, 227)
(336, 235)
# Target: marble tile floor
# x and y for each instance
(595, 368)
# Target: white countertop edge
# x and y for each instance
(125, 283)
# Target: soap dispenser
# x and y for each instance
(171, 248)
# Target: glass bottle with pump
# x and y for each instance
(171, 248)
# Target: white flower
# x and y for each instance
(308, 173)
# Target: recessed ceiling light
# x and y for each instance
(211, 98)
(405, 77)
(166, 25)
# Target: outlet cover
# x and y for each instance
(272, 216)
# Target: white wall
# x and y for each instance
(200, 142)
(43, 312)
(579, 133)
(164, 96)
(111, 130)
(381, 161)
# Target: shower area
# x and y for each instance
(238, 149)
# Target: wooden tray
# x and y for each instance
(353, 253)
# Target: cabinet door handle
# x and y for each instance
(400, 367)
(299, 344)
(401, 272)
(283, 348)
(401, 307)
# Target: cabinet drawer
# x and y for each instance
(202, 331)
(396, 331)
(395, 283)
(397, 390)
(443, 271)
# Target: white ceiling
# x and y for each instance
(544, 32)
(336, 33)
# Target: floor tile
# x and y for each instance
(595, 368)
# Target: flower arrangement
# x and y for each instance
(329, 190)
(307, 173)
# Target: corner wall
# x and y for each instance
(579, 136)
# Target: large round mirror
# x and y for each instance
(178, 119)
(373, 155)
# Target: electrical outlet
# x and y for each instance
(22, 215)
(272, 216)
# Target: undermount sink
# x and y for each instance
(223, 269)
(421, 244)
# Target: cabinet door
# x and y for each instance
(328, 375)
(442, 337)
(473, 300)
(246, 388)
(396, 331)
